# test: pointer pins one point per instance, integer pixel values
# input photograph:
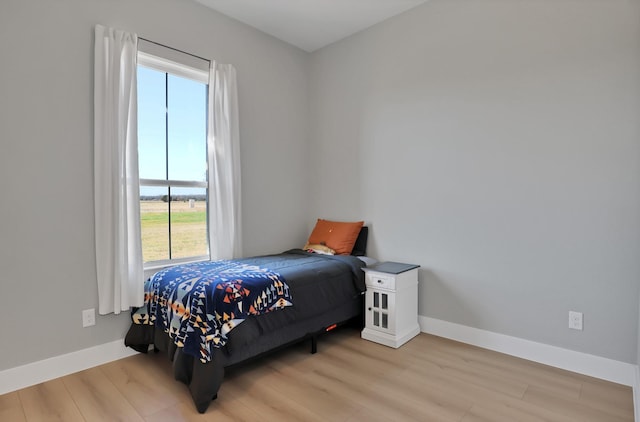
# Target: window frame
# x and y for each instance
(168, 66)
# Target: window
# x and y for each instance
(172, 158)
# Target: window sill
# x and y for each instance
(155, 266)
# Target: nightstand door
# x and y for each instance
(380, 310)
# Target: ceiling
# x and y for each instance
(311, 24)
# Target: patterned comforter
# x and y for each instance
(198, 304)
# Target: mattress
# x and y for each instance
(324, 290)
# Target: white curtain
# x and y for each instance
(117, 197)
(223, 142)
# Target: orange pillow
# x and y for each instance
(339, 236)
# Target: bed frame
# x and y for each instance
(255, 337)
(204, 379)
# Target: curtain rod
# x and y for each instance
(174, 49)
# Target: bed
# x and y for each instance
(262, 304)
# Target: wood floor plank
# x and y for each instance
(434, 403)
(316, 398)
(98, 398)
(497, 412)
(223, 409)
(328, 375)
(11, 408)
(375, 415)
(385, 390)
(254, 388)
(146, 388)
(611, 398)
(572, 408)
(349, 379)
(431, 376)
(481, 375)
(49, 401)
(561, 382)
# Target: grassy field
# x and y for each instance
(188, 229)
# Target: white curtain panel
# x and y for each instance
(117, 194)
(223, 143)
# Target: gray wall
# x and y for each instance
(47, 263)
(496, 143)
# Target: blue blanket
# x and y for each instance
(198, 304)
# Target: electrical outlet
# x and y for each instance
(575, 320)
(88, 317)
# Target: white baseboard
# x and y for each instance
(582, 363)
(34, 373)
(608, 369)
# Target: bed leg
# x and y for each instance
(314, 345)
(205, 384)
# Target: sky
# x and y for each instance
(185, 123)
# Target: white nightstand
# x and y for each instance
(391, 303)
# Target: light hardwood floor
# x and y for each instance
(349, 379)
